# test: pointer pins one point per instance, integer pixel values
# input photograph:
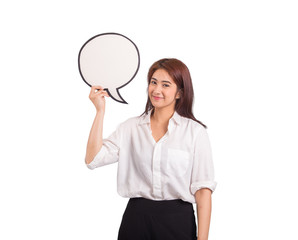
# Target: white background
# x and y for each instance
(243, 58)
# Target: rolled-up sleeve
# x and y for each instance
(109, 152)
(203, 168)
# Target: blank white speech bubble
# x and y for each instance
(110, 60)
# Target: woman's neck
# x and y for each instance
(161, 116)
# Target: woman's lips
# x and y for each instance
(157, 98)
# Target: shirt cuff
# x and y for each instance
(97, 160)
(199, 185)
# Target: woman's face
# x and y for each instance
(162, 90)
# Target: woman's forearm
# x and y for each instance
(95, 137)
(203, 200)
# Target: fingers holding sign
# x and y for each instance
(97, 96)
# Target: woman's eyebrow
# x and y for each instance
(164, 81)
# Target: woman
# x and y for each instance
(164, 159)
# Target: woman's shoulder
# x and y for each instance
(132, 121)
(191, 123)
(194, 129)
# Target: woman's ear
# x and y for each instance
(178, 94)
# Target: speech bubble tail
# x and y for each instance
(114, 93)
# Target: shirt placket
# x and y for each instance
(156, 164)
(157, 170)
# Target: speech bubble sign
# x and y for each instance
(110, 60)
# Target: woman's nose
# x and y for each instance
(157, 88)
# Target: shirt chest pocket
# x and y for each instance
(177, 162)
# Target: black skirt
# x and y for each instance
(146, 219)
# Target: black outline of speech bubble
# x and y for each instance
(117, 89)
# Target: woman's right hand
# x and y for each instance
(97, 96)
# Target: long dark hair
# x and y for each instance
(181, 76)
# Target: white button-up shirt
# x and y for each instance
(175, 167)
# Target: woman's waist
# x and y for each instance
(145, 205)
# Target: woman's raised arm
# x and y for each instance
(97, 96)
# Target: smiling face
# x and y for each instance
(162, 90)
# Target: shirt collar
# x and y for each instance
(145, 119)
(177, 118)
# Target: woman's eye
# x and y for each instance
(153, 82)
(166, 85)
